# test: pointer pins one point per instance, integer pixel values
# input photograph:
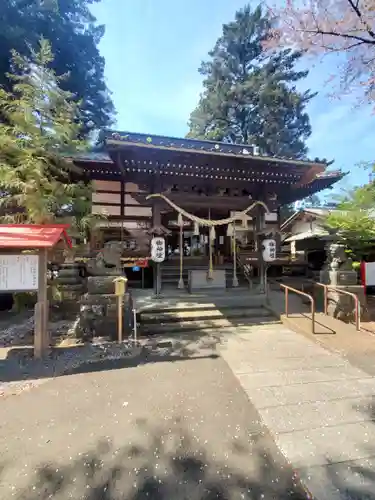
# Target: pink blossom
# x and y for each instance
(320, 27)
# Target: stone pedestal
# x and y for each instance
(101, 285)
(71, 286)
(98, 316)
(198, 280)
(340, 305)
(338, 278)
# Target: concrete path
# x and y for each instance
(319, 408)
(171, 428)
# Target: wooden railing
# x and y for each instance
(288, 289)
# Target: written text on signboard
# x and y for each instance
(18, 272)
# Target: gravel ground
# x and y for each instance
(19, 330)
(20, 372)
(167, 429)
(16, 329)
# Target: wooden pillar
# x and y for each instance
(41, 334)
(259, 247)
(210, 256)
(156, 222)
(181, 284)
(235, 278)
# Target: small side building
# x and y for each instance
(303, 236)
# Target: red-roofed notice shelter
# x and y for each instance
(33, 236)
(21, 271)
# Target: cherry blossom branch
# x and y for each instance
(359, 14)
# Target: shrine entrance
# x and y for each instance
(212, 200)
(196, 241)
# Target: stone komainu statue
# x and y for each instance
(108, 260)
(339, 259)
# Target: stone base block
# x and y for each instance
(198, 279)
(99, 316)
(339, 278)
(342, 306)
(101, 285)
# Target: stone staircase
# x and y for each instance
(202, 314)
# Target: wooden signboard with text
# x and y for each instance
(19, 273)
(23, 268)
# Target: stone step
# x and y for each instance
(176, 306)
(199, 266)
(204, 326)
(250, 327)
(202, 313)
(185, 274)
(173, 277)
(239, 295)
(196, 306)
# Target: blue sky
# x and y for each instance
(153, 50)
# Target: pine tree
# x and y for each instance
(40, 123)
(74, 35)
(249, 96)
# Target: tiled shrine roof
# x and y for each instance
(123, 152)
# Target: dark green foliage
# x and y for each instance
(36, 183)
(249, 96)
(74, 35)
(354, 221)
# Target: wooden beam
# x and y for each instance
(120, 164)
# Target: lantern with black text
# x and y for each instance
(269, 250)
(158, 249)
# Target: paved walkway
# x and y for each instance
(319, 408)
(172, 428)
(179, 425)
(357, 347)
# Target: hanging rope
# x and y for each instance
(206, 222)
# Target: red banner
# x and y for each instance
(141, 263)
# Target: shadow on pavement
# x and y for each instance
(166, 465)
(21, 366)
(355, 479)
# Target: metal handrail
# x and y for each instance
(288, 289)
(135, 338)
(244, 271)
(357, 309)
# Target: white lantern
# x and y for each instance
(269, 250)
(158, 249)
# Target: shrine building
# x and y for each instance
(213, 202)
